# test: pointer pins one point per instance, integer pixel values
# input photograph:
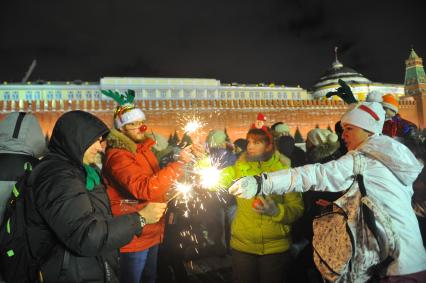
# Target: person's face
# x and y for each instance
(354, 136)
(256, 148)
(259, 124)
(89, 156)
(134, 132)
(389, 113)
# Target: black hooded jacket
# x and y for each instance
(72, 232)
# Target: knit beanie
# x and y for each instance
(319, 137)
(216, 138)
(281, 129)
(374, 96)
(369, 116)
(390, 102)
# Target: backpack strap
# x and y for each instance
(13, 165)
(18, 124)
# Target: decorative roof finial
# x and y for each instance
(335, 53)
(336, 64)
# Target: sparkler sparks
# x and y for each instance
(209, 177)
(193, 125)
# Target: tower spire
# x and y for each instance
(336, 64)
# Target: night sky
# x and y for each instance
(282, 41)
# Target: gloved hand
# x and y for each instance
(266, 184)
(246, 187)
(268, 206)
(344, 92)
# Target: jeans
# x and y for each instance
(136, 267)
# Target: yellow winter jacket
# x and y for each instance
(255, 233)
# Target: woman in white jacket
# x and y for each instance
(391, 169)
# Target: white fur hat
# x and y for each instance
(369, 116)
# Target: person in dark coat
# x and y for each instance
(72, 233)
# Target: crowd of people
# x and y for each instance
(99, 207)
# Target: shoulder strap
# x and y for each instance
(21, 117)
(368, 215)
(13, 165)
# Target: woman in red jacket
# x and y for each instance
(133, 176)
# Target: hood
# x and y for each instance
(395, 156)
(74, 132)
(21, 133)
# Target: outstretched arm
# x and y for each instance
(333, 176)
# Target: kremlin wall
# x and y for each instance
(169, 101)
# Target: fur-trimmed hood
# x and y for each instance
(117, 139)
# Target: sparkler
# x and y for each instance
(193, 125)
(209, 177)
(181, 189)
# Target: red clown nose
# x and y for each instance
(143, 128)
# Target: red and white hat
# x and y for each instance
(126, 114)
(369, 116)
(261, 117)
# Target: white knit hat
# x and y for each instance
(374, 96)
(127, 114)
(369, 116)
(321, 136)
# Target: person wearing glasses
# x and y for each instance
(72, 234)
(134, 177)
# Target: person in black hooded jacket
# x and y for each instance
(72, 233)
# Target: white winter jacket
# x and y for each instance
(390, 172)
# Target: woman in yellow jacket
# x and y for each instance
(260, 231)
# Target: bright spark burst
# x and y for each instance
(193, 125)
(209, 177)
(182, 189)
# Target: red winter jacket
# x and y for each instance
(131, 171)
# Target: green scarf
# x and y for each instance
(92, 178)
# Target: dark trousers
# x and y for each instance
(247, 268)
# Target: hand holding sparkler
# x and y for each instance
(153, 211)
(185, 155)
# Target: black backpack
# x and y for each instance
(16, 263)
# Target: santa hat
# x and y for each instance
(369, 116)
(126, 112)
(319, 137)
(261, 117)
(390, 102)
(374, 96)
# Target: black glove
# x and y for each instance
(344, 92)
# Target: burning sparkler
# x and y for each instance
(193, 125)
(209, 177)
(181, 189)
